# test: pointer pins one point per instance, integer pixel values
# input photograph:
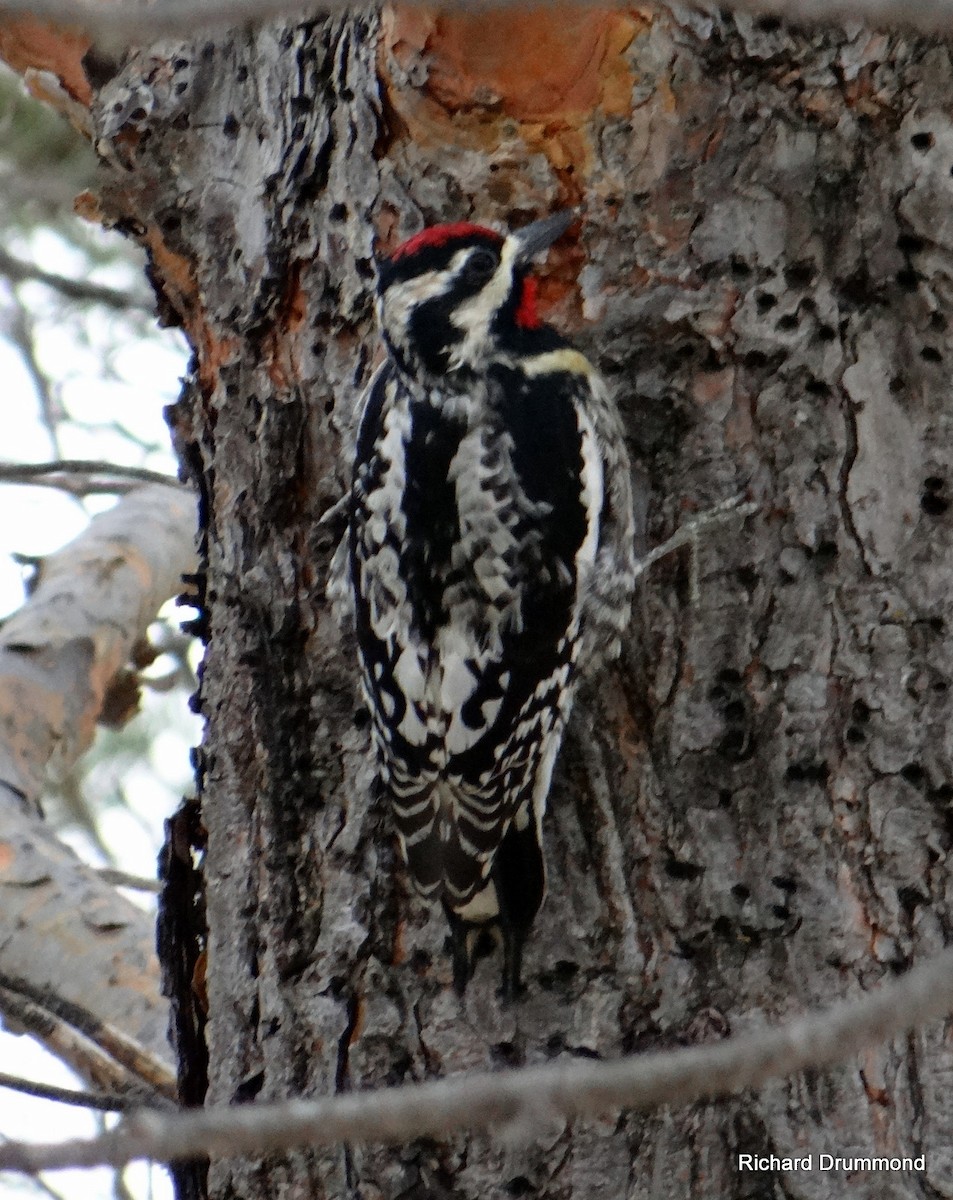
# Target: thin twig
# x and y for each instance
(75, 1049)
(20, 332)
(136, 883)
(18, 271)
(141, 1064)
(82, 476)
(47, 1091)
(514, 1102)
(690, 534)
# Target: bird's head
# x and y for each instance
(450, 299)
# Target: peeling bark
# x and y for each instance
(752, 813)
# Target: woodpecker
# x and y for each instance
(488, 561)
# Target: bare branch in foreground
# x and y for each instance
(83, 476)
(115, 24)
(39, 1182)
(166, 18)
(516, 1102)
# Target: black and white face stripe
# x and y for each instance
(437, 308)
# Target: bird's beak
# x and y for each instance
(540, 235)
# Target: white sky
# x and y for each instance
(143, 376)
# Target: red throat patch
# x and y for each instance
(439, 235)
(527, 316)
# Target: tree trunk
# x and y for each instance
(752, 812)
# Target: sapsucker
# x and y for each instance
(489, 559)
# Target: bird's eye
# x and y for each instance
(481, 264)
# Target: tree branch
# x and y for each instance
(92, 601)
(135, 883)
(40, 1183)
(691, 534)
(18, 271)
(83, 476)
(19, 329)
(515, 1102)
(116, 24)
(83, 1055)
(47, 1091)
(139, 1062)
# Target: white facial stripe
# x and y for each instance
(552, 361)
(474, 315)
(397, 304)
(400, 299)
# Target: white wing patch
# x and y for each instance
(592, 493)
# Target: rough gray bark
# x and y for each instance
(752, 813)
